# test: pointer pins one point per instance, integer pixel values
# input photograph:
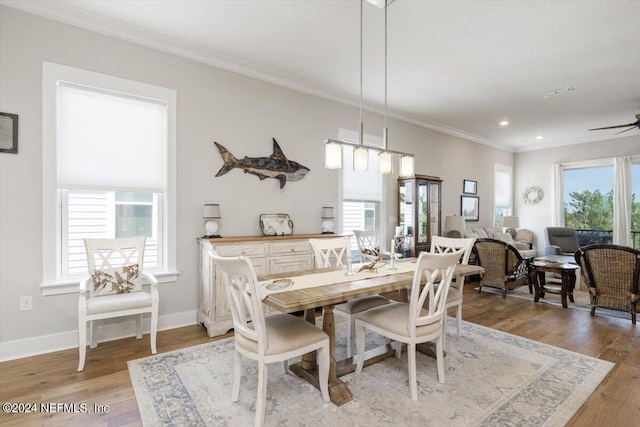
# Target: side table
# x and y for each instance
(566, 271)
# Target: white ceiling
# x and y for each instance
(455, 66)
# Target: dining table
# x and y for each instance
(308, 290)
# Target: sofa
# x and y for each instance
(524, 246)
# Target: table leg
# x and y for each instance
(309, 359)
(572, 284)
(538, 284)
(339, 393)
(568, 283)
(338, 390)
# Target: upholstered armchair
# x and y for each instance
(561, 241)
(504, 266)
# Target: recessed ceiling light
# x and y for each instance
(504, 123)
(539, 137)
(558, 92)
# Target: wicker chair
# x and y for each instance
(612, 274)
(503, 265)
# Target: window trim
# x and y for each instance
(497, 167)
(52, 281)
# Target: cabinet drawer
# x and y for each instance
(290, 248)
(252, 251)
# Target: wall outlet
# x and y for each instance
(26, 303)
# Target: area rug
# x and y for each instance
(492, 378)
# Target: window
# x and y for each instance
(599, 198)
(588, 202)
(109, 170)
(502, 190)
(361, 191)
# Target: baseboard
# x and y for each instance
(65, 340)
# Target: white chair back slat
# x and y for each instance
(437, 271)
(239, 279)
(331, 252)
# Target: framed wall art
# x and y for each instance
(470, 208)
(8, 133)
(469, 186)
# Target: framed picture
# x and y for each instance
(470, 187)
(8, 133)
(470, 208)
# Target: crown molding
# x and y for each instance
(72, 15)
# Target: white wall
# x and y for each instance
(536, 168)
(241, 113)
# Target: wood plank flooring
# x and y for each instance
(52, 378)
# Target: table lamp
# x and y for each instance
(511, 223)
(327, 220)
(454, 222)
(211, 213)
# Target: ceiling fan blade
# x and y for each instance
(618, 126)
(627, 130)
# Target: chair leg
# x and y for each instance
(237, 372)
(413, 382)
(351, 332)
(440, 359)
(154, 330)
(444, 329)
(93, 333)
(324, 362)
(360, 332)
(459, 318)
(285, 366)
(82, 344)
(262, 394)
(139, 326)
(398, 346)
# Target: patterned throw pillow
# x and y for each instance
(115, 280)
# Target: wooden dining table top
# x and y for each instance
(302, 299)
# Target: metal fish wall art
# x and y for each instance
(275, 166)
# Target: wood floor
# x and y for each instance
(52, 378)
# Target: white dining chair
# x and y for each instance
(114, 289)
(334, 252)
(410, 322)
(441, 244)
(271, 339)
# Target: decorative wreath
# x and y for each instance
(532, 195)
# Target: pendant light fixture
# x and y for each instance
(360, 153)
(333, 148)
(385, 159)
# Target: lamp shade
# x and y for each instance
(406, 165)
(360, 159)
(454, 223)
(511, 222)
(327, 212)
(211, 211)
(332, 155)
(385, 162)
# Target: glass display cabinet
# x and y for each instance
(419, 213)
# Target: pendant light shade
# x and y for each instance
(360, 159)
(332, 155)
(406, 165)
(385, 162)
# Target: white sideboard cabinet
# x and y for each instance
(268, 254)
